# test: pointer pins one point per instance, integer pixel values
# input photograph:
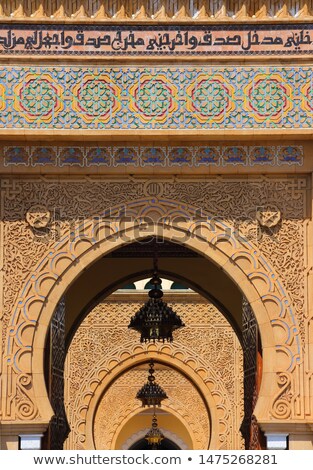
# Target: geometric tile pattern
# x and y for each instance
(174, 97)
(38, 98)
(268, 97)
(159, 156)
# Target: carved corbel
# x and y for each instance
(40, 13)
(203, 14)
(182, 14)
(60, 14)
(19, 12)
(101, 14)
(222, 14)
(161, 14)
(121, 14)
(304, 13)
(141, 14)
(242, 14)
(283, 13)
(262, 13)
(80, 14)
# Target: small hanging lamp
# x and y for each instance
(155, 320)
(154, 436)
(151, 394)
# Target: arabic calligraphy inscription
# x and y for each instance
(143, 40)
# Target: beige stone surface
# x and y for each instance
(300, 441)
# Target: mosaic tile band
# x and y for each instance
(171, 98)
(143, 156)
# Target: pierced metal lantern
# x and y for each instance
(155, 321)
(151, 394)
(154, 436)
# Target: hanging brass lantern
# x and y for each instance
(155, 320)
(154, 436)
(151, 394)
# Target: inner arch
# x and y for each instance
(134, 262)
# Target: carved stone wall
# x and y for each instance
(257, 223)
(207, 339)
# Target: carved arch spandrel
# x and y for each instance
(219, 242)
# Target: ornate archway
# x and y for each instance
(213, 393)
(216, 240)
(201, 371)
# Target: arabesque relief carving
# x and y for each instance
(207, 344)
(273, 264)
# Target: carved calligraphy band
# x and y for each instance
(156, 41)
